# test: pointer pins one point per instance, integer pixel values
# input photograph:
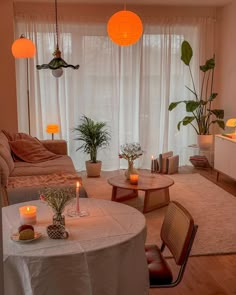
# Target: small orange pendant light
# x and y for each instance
(125, 28)
(23, 48)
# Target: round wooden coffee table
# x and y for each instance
(155, 186)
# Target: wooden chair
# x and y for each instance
(177, 233)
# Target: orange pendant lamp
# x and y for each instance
(125, 28)
(23, 48)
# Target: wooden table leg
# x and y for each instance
(114, 191)
(156, 199)
(123, 194)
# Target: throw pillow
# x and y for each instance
(12, 136)
(31, 151)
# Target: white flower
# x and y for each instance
(130, 151)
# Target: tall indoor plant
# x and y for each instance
(92, 137)
(202, 115)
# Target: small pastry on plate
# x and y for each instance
(26, 232)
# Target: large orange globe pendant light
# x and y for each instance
(125, 28)
(23, 48)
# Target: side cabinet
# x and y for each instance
(225, 160)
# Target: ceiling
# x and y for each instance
(143, 2)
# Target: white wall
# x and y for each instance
(227, 60)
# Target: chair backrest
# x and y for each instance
(176, 231)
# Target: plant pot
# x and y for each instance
(205, 142)
(93, 169)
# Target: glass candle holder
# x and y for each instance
(133, 178)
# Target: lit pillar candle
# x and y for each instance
(152, 164)
(28, 214)
(133, 178)
(77, 196)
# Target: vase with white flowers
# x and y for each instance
(130, 152)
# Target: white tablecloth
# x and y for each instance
(104, 254)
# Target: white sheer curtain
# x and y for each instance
(130, 87)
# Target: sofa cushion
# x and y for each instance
(4, 172)
(6, 155)
(26, 188)
(31, 151)
(62, 164)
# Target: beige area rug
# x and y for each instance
(213, 209)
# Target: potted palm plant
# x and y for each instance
(201, 114)
(92, 137)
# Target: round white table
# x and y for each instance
(104, 254)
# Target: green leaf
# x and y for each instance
(173, 105)
(186, 52)
(186, 120)
(213, 96)
(220, 123)
(218, 113)
(192, 105)
(209, 65)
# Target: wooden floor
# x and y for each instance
(207, 275)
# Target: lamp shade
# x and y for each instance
(52, 128)
(125, 28)
(23, 48)
(231, 122)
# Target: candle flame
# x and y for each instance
(28, 209)
(77, 184)
(152, 157)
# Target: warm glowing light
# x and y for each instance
(125, 28)
(28, 214)
(77, 184)
(52, 128)
(231, 123)
(133, 178)
(23, 48)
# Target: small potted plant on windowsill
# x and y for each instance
(92, 137)
(201, 114)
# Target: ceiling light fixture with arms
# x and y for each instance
(57, 63)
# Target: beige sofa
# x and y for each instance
(22, 181)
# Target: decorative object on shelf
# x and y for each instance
(130, 152)
(75, 210)
(133, 178)
(92, 136)
(57, 231)
(25, 48)
(200, 107)
(231, 123)
(28, 214)
(125, 27)
(199, 161)
(57, 199)
(57, 63)
(52, 128)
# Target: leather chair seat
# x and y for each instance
(159, 270)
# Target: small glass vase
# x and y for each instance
(130, 170)
(58, 219)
